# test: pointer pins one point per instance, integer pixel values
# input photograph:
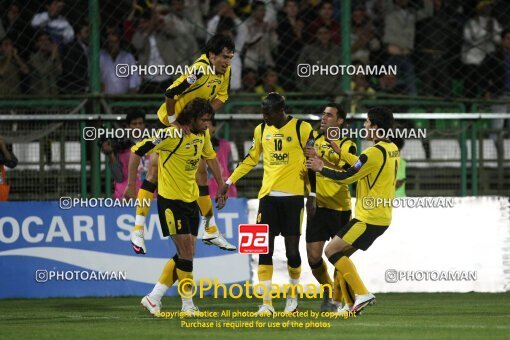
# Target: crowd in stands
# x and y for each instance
(432, 43)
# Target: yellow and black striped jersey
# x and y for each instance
(283, 157)
(330, 193)
(376, 173)
(203, 83)
(178, 161)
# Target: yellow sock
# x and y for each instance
(347, 269)
(345, 292)
(206, 208)
(168, 277)
(337, 288)
(265, 274)
(145, 195)
(294, 274)
(186, 288)
(321, 274)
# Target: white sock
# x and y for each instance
(158, 291)
(212, 221)
(294, 288)
(140, 220)
(267, 295)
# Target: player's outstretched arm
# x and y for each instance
(214, 166)
(134, 162)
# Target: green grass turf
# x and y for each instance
(395, 316)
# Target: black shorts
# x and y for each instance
(325, 224)
(361, 235)
(284, 215)
(178, 217)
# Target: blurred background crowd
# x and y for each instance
(442, 48)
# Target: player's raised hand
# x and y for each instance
(315, 164)
(335, 147)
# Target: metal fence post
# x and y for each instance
(95, 87)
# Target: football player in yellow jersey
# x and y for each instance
(333, 204)
(375, 172)
(178, 193)
(208, 78)
(281, 140)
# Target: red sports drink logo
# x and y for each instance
(253, 239)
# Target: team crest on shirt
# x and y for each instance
(358, 164)
(191, 79)
(289, 139)
(188, 146)
(268, 137)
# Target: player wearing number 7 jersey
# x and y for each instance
(375, 172)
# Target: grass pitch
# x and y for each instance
(395, 316)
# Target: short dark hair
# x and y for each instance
(382, 117)
(195, 109)
(134, 115)
(217, 43)
(340, 112)
(274, 102)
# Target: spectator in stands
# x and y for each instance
(321, 52)
(179, 20)
(118, 152)
(435, 38)
(7, 159)
(290, 33)
(360, 85)
(482, 33)
(269, 83)
(54, 23)
(114, 79)
(159, 43)
(195, 11)
(399, 34)
(496, 80)
(223, 13)
(363, 38)
(13, 26)
(250, 79)
(45, 67)
(11, 65)
(388, 85)
(224, 155)
(75, 63)
(325, 19)
(256, 39)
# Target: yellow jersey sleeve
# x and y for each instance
(367, 162)
(251, 159)
(225, 86)
(150, 145)
(208, 150)
(348, 152)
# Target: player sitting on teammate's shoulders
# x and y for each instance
(208, 78)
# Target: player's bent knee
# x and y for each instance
(294, 261)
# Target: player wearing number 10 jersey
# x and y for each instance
(281, 140)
